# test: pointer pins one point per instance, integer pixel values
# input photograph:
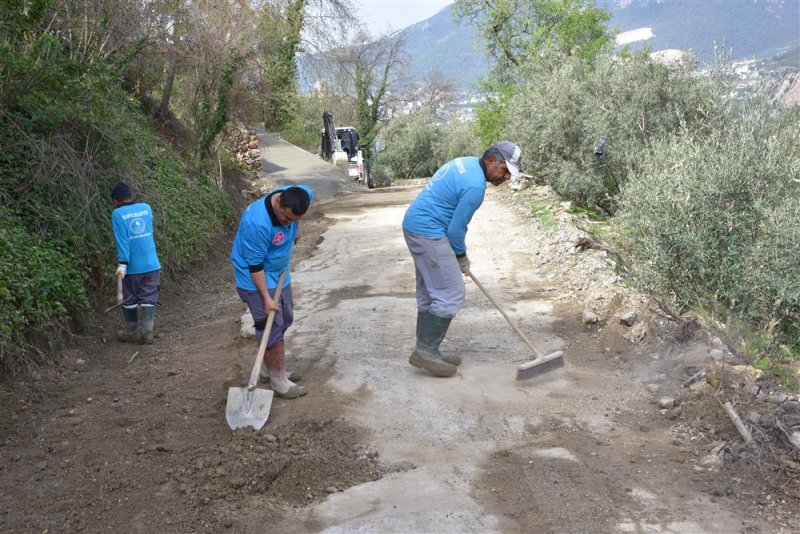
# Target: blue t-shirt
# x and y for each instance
(448, 201)
(262, 240)
(133, 232)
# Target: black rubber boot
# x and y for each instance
(453, 359)
(148, 322)
(432, 330)
(129, 334)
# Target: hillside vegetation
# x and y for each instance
(68, 132)
(702, 191)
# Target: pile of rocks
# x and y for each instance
(244, 145)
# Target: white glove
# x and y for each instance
(463, 263)
(121, 270)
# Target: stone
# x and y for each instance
(777, 398)
(247, 329)
(666, 403)
(698, 355)
(628, 318)
(752, 388)
(711, 462)
(520, 183)
(733, 376)
(589, 317)
(331, 489)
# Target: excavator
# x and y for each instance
(340, 146)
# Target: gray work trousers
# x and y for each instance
(440, 284)
(284, 317)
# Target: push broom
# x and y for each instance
(540, 364)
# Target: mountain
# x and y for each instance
(439, 43)
(747, 28)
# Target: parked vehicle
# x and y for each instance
(330, 145)
(341, 146)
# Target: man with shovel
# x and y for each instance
(262, 250)
(435, 227)
(137, 263)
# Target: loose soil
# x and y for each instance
(114, 437)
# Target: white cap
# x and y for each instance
(512, 154)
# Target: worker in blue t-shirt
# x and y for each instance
(435, 228)
(262, 250)
(137, 263)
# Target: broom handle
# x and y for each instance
(262, 347)
(519, 332)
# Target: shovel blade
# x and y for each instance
(248, 408)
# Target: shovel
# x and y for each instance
(249, 406)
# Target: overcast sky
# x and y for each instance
(383, 15)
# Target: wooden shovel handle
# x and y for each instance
(262, 347)
(119, 290)
(519, 332)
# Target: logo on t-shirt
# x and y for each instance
(278, 238)
(137, 226)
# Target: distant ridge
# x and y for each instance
(440, 43)
(746, 28)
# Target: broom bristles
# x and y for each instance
(540, 366)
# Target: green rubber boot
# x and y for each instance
(432, 330)
(454, 359)
(148, 322)
(129, 334)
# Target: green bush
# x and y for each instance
(380, 174)
(618, 106)
(410, 142)
(457, 138)
(713, 221)
(41, 289)
(417, 145)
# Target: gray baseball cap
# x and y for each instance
(512, 154)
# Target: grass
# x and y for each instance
(543, 211)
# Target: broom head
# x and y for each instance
(540, 366)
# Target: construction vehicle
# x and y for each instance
(330, 144)
(340, 146)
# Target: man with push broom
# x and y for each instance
(435, 227)
(262, 250)
(137, 263)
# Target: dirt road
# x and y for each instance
(118, 437)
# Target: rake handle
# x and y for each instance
(262, 347)
(519, 332)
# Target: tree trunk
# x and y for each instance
(163, 109)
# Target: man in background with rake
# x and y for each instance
(137, 263)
